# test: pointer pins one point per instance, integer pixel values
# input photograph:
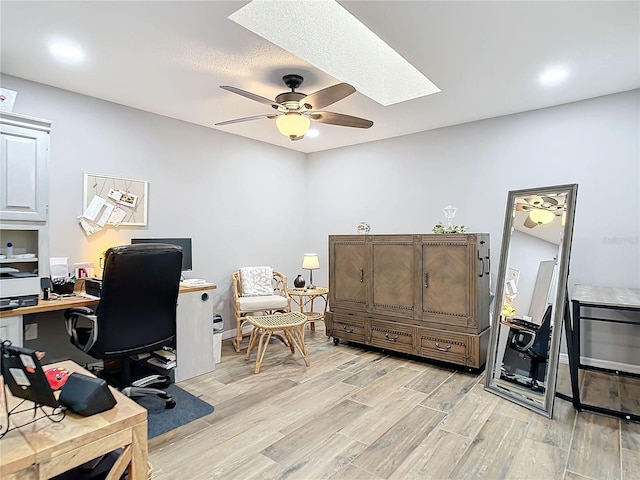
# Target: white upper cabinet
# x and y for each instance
(24, 159)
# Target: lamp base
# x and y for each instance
(311, 285)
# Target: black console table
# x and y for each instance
(599, 298)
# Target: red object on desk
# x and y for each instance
(56, 377)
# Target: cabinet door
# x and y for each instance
(448, 281)
(348, 272)
(394, 271)
(11, 329)
(24, 180)
(194, 334)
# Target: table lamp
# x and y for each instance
(311, 263)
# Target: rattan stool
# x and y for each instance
(292, 326)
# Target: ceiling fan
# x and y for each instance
(295, 110)
(542, 210)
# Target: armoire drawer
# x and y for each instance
(392, 336)
(348, 327)
(445, 346)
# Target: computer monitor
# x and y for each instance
(185, 243)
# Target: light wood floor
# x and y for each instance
(358, 414)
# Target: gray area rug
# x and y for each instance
(188, 408)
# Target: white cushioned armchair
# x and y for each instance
(257, 290)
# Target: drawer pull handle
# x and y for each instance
(426, 279)
(350, 330)
(391, 339)
(443, 349)
(362, 275)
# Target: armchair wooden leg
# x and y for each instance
(238, 340)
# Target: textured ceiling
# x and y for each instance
(171, 57)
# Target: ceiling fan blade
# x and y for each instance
(523, 207)
(246, 119)
(327, 96)
(250, 95)
(340, 119)
(529, 223)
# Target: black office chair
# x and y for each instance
(535, 345)
(136, 313)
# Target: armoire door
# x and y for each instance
(348, 272)
(394, 263)
(448, 285)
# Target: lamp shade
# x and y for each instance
(310, 261)
(293, 124)
(541, 217)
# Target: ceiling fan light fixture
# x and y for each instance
(541, 217)
(293, 124)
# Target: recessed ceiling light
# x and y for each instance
(338, 44)
(66, 52)
(312, 133)
(554, 76)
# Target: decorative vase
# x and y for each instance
(363, 228)
(299, 282)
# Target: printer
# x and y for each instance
(18, 290)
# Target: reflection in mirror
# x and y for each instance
(531, 296)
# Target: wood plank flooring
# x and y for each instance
(358, 414)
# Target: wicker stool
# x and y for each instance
(291, 325)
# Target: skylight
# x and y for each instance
(337, 43)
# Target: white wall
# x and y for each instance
(240, 198)
(400, 185)
(525, 255)
(234, 196)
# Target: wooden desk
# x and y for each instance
(11, 321)
(194, 329)
(62, 303)
(79, 300)
(608, 298)
(45, 449)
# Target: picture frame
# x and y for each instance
(129, 198)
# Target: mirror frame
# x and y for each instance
(560, 298)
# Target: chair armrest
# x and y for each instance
(71, 319)
(78, 311)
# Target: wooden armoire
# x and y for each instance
(422, 294)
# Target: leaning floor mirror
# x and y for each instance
(531, 295)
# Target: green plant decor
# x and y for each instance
(440, 228)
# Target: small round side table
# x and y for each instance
(304, 298)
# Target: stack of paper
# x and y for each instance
(194, 282)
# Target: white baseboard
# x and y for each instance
(229, 334)
(609, 365)
(232, 333)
